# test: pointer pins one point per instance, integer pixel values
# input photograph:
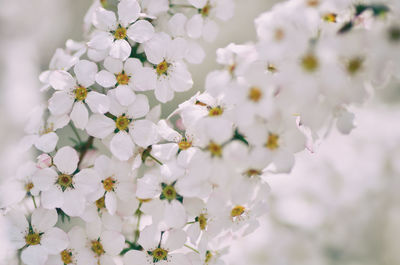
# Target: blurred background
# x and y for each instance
(340, 205)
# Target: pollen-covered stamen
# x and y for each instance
(273, 141)
(202, 218)
(32, 239)
(354, 65)
(97, 247)
(66, 256)
(122, 123)
(253, 173)
(237, 211)
(65, 181)
(309, 62)
(162, 68)
(100, 203)
(208, 257)
(330, 17)
(109, 183)
(122, 78)
(159, 254)
(271, 68)
(29, 186)
(169, 192)
(279, 34)
(184, 144)
(120, 33)
(216, 111)
(205, 11)
(80, 93)
(255, 94)
(215, 149)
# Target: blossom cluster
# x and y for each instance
(144, 190)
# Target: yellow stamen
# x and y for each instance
(216, 111)
(32, 239)
(120, 33)
(184, 144)
(80, 93)
(310, 62)
(272, 142)
(122, 123)
(215, 149)
(255, 94)
(237, 211)
(202, 221)
(123, 79)
(109, 184)
(66, 256)
(100, 203)
(159, 254)
(97, 248)
(162, 68)
(330, 17)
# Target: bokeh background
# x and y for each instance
(340, 205)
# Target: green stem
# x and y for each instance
(195, 250)
(76, 132)
(155, 159)
(193, 222)
(34, 201)
(137, 231)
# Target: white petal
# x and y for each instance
(145, 79)
(74, 203)
(175, 214)
(176, 49)
(66, 160)
(176, 25)
(113, 242)
(97, 102)
(104, 19)
(87, 180)
(111, 202)
(100, 126)
(121, 146)
(144, 133)
(194, 26)
(148, 187)
(132, 66)
(113, 65)
(60, 103)
(106, 79)
(210, 31)
(47, 142)
(128, 12)
(141, 31)
(176, 238)
(135, 257)
(43, 219)
(156, 48)
(120, 49)
(54, 240)
(44, 178)
(85, 72)
(194, 53)
(180, 80)
(52, 198)
(34, 255)
(140, 107)
(79, 115)
(149, 237)
(163, 92)
(283, 161)
(77, 237)
(100, 41)
(111, 222)
(61, 80)
(125, 95)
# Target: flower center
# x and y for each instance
(272, 142)
(169, 192)
(122, 123)
(109, 183)
(394, 34)
(208, 257)
(65, 181)
(66, 256)
(255, 94)
(120, 33)
(216, 111)
(279, 34)
(202, 221)
(205, 11)
(100, 203)
(330, 17)
(271, 68)
(237, 211)
(252, 173)
(29, 186)
(184, 144)
(159, 254)
(122, 78)
(80, 93)
(97, 247)
(309, 63)
(162, 68)
(354, 65)
(215, 149)
(32, 239)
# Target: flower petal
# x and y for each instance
(61, 103)
(85, 72)
(97, 102)
(66, 160)
(120, 49)
(141, 31)
(121, 146)
(128, 12)
(106, 79)
(47, 142)
(100, 126)
(43, 219)
(54, 240)
(79, 115)
(140, 107)
(144, 133)
(61, 80)
(113, 242)
(125, 95)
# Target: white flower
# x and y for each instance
(38, 237)
(112, 34)
(124, 127)
(63, 187)
(73, 95)
(157, 249)
(171, 72)
(126, 77)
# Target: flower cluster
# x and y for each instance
(145, 190)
